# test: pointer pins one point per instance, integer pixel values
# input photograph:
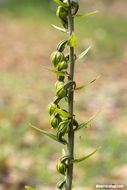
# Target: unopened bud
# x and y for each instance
(54, 121)
(64, 125)
(61, 168)
(51, 108)
(61, 13)
(61, 91)
(56, 57)
(62, 65)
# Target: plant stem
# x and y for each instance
(70, 104)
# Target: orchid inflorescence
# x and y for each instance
(64, 121)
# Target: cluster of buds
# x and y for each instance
(58, 122)
(62, 12)
(60, 63)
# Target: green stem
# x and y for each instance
(69, 177)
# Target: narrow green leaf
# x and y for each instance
(83, 54)
(29, 188)
(50, 135)
(87, 14)
(88, 83)
(59, 28)
(61, 3)
(85, 157)
(72, 40)
(63, 113)
(59, 73)
(88, 121)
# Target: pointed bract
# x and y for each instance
(88, 121)
(59, 28)
(50, 135)
(88, 83)
(85, 157)
(83, 54)
(87, 14)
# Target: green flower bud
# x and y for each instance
(56, 57)
(64, 125)
(62, 65)
(61, 45)
(61, 168)
(51, 108)
(61, 91)
(61, 13)
(58, 83)
(55, 120)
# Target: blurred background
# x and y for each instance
(26, 88)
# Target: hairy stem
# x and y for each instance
(70, 104)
